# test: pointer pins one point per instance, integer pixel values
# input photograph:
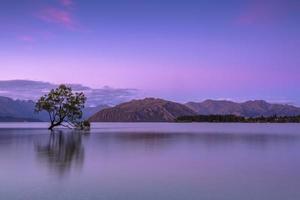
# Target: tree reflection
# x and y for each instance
(62, 151)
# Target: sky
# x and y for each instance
(179, 50)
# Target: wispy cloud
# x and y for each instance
(56, 15)
(61, 13)
(253, 14)
(26, 38)
(66, 3)
(32, 90)
(261, 12)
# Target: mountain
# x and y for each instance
(32, 90)
(17, 119)
(149, 110)
(247, 109)
(19, 110)
(145, 110)
(90, 111)
(12, 109)
(22, 110)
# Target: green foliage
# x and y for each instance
(83, 125)
(63, 106)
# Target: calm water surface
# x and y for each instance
(156, 161)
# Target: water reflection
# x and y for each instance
(158, 140)
(146, 164)
(62, 151)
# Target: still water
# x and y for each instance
(157, 161)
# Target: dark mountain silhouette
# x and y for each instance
(18, 119)
(247, 109)
(150, 110)
(21, 110)
(145, 110)
(33, 90)
(18, 110)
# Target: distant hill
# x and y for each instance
(150, 110)
(33, 90)
(247, 109)
(145, 110)
(90, 111)
(21, 110)
(16, 119)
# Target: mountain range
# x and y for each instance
(255, 108)
(32, 90)
(150, 110)
(159, 110)
(17, 100)
(23, 110)
(19, 110)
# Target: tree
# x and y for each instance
(64, 108)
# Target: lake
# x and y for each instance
(157, 161)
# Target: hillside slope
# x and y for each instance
(145, 110)
(247, 109)
(19, 110)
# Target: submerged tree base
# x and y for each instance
(82, 125)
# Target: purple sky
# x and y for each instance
(179, 50)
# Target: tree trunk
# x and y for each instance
(51, 127)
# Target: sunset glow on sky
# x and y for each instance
(179, 50)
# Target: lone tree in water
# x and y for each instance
(64, 108)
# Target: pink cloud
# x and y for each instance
(56, 15)
(26, 38)
(258, 12)
(66, 2)
(47, 35)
